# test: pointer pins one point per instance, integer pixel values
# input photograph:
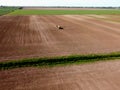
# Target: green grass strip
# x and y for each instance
(63, 12)
(73, 59)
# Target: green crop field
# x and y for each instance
(62, 12)
(6, 10)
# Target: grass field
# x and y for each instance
(62, 12)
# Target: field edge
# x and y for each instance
(58, 61)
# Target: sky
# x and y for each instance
(93, 3)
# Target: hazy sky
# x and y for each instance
(60, 2)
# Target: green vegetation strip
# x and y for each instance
(41, 62)
(63, 12)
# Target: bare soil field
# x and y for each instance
(115, 18)
(38, 36)
(97, 76)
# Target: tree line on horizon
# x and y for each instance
(20, 7)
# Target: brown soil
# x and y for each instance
(97, 76)
(115, 18)
(38, 36)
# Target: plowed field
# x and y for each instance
(38, 36)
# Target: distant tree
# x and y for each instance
(20, 7)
